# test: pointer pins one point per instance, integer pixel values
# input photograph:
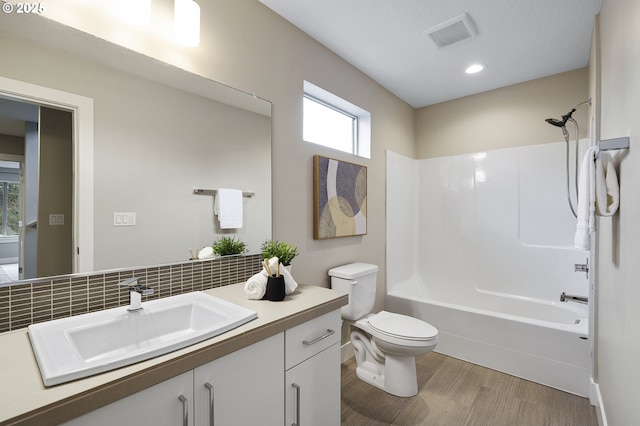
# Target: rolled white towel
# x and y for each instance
(290, 284)
(206, 253)
(256, 286)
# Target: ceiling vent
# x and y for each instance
(453, 31)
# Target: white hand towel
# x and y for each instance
(228, 207)
(607, 189)
(586, 201)
(290, 284)
(256, 286)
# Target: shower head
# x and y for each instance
(555, 122)
(563, 122)
(567, 117)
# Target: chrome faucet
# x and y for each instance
(580, 299)
(137, 291)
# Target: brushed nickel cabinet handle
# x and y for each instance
(209, 387)
(317, 339)
(297, 388)
(185, 410)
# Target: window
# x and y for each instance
(335, 123)
(9, 200)
(9, 208)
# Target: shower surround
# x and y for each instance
(481, 247)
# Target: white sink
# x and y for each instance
(80, 346)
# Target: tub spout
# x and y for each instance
(580, 299)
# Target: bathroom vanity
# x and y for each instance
(284, 365)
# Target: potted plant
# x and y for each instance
(283, 251)
(225, 246)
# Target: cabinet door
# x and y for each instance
(312, 390)
(158, 405)
(243, 388)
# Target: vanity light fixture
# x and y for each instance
(475, 68)
(186, 22)
(136, 11)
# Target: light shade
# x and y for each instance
(186, 24)
(136, 11)
(472, 69)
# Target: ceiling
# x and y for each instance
(518, 40)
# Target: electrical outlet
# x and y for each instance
(124, 219)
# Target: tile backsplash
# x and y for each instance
(45, 299)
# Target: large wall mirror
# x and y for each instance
(152, 134)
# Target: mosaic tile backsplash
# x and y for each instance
(58, 297)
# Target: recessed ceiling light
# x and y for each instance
(475, 68)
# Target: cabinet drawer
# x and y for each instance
(311, 337)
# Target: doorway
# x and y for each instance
(36, 190)
(81, 110)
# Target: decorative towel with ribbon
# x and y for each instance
(598, 193)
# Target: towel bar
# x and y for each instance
(215, 191)
(615, 143)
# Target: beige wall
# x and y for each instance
(618, 286)
(502, 118)
(247, 46)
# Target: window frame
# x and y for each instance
(361, 119)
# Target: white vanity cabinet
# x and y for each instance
(312, 377)
(168, 403)
(245, 387)
(242, 388)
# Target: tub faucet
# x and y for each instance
(580, 299)
(137, 290)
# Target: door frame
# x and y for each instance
(81, 108)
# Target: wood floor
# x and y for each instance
(455, 393)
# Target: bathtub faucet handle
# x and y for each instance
(582, 267)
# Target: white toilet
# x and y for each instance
(385, 343)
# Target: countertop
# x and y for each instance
(26, 401)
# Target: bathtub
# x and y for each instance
(542, 341)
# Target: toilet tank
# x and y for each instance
(358, 280)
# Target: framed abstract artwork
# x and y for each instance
(339, 198)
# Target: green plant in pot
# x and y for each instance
(283, 251)
(225, 246)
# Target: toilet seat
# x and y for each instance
(402, 329)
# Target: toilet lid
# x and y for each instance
(402, 326)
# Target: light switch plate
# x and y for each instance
(56, 219)
(124, 219)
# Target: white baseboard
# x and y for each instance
(595, 398)
(346, 352)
